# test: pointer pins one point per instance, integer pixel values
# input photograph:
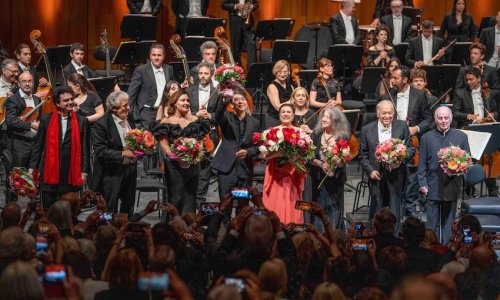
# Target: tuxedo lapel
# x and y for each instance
(113, 131)
(151, 75)
(468, 99)
(195, 102)
(411, 102)
(420, 49)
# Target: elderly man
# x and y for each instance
(441, 189)
(208, 52)
(385, 184)
(399, 25)
(344, 25)
(115, 166)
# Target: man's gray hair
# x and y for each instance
(208, 45)
(113, 100)
(385, 102)
(8, 62)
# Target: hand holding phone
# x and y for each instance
(148, 281)
(239, 283)
(303, 205)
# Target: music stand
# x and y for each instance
(460, 53)
(138, 27)
(370, 79)
(307, 77)
(401, 50)
(178, 67)
(203, 26)
(103, 86)
(441, 78)
(258, 77)
(58, 58)
(346, 59)
(191, 46)
(412, 13)
(494, 142)
(295, 52)
(132, 52)
(277, 29)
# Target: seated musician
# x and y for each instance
(8, 78)
(380, 53)
(426, 49)
(324, 87)
(208, 52)
(418, 80)
(399, 25)
(344, 25)
(381, 8)
(490, 38)
(77, 53)
(23, 55)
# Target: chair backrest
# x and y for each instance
(475, 175)
(368, 117)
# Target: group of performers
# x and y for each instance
(82, 141)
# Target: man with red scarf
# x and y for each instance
(62, 149)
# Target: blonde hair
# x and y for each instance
(273, 276)
(280, 65)
(328, 291)
(295, 91)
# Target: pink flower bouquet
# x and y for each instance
(391, 153)
(336, 156)
(454, 161)
(24, 184)
(188, 151)
(140, 142)
(230, 78)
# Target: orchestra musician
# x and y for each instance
(490, 38)
(144, 7)
(344, 25)
(203, 103)
(23, 55)
(385, 185)
(208, 52)
(184, 9)
(399, 25)
(300, 101)
(181, 178)
(278, 92)
(422, 49)
(441, 190)
(62, 149)
(381, 7)
(418, 80)
(380, 53)
(77, 53)
(458, 25)
(8, 78)
(86, 103)
(241, 28)
(319, 95)
(391, 65)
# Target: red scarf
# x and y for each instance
(52, 152)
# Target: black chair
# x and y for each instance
(259, 171)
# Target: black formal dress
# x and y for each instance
(70, 69)
(373, 54)
(181, 11)
(135, 6)
(284, 94)
(321, 96)
(463, 105)
(38, 157)
(415, 50)
(463, 32)
(87, 107)
(182, 183)
(236, 135)
(382, 7)
(114, 176)
(240, 33)
(300, 119)
(338, 29)
(405, 27)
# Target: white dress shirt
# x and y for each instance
(194, 9)
(78, 68)
(427, 50)
(146, 7)
(402, 104)
(123, 127)
(160, 84)
(22, 67)
(203, 96)
(495, 58)
(5, 87)
(384, 133)
(239, 11)
(477, 100)
(64, 126)
(349, 31)
(398, 26)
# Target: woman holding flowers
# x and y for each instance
(278, 92)
(285, 170)
(329, 165)
(180, 136)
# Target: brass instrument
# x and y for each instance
(246, 12)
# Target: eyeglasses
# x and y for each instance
(12, 71)
(26, 81)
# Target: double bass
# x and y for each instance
(48, 105)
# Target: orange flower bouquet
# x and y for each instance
(140, 142)
(23, 183)
(454, 161)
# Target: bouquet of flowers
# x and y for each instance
(229, 78)
(24, 184)
(454, 161)
(391, 153)
(338, 152)
(188, 151)
(288, 145)
(140, 142)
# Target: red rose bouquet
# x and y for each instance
(140, 142)
(229, 78)
(24, 184)
(288, 145)
(391, 153)
(336, 156)
(187, 151)
(454, 161)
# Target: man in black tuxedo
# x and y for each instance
(488, 74)
(411, 107)
(115, 167)
(62, 149)
(234, 158)
(23, 55)
(21, 134)
(147, 85)
(241, 33)
(490, 38)
(381, 7)
(422, 49)
(399, 24)
(203, 101)
(145, 7)
(77, 53)
(385, 185)
(10, 70)
(208, 52)
(344, 25)
(184, 9)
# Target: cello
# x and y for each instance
(40, 48)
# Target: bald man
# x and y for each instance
(441, 190)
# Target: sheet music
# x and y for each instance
(477, 142)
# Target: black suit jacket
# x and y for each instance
(225, 158)
(382, 5)
(337, 27)
(38, 154)
(465, 33)
(463, 105)
(418, 109)
(193, 93)
(488, 39)
(490, 75)
(70, 69)
(415, 51)
(230, 5)
(135, 6)
(405, 28)
(14, 107)
(181, 7)
(369, 142)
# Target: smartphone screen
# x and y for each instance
(359, 245)
(54, 273)
(153, 281)
(105, 216)
(466, 230)
(209, 208)
(303, 205)
(42, 243)
(239, 283)
(259, 212)
(240, 193)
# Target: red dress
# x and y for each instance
(282, 187)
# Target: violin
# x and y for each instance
(295, 77)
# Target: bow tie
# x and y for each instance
(28, 97)
(385, 129)
(476, 92)
(79, 68)
(396, 18)
(159, 71)
(347, 18)
(401, 96)
(204, 89)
